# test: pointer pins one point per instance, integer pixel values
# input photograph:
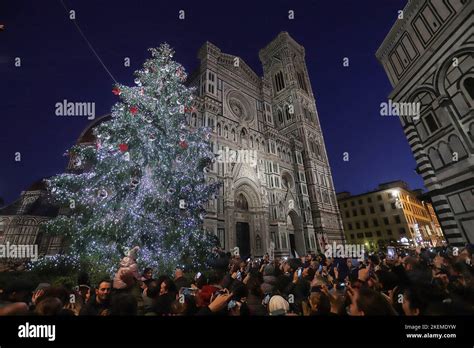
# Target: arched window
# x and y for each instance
(287, 113)
(434, 158)
(243, 133)
(194, 124)
(251, 141)
(279, 81)
(280, 116)
(226, 132)
(445, 153)
(263, 145)
(201, 120)
(233, 134)
(219, 131)
(457, 147)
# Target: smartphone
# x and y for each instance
(300, 271)
(189, 291)
(391, 254)
(198, 275)
(320, 268)
(239, 275)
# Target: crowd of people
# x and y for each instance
(411, 282)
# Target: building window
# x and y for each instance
(348, 215)
(376, 222)
(354, 212)
(345, 205)
(362, 211)
(382, 207)
(385, 221)
(389, 232)
(358, 225)
(280, 116)
(287, 113)
(360, 235)
(393, 205)
(379, 234)
(431, 123)
(397, 219)
(372, 210)
(301, 81)
(469, 87)
(352, 236)
(360, 201)
(379, 197)
(279, 82)
(369, 234)
(349, 225)
(366, 224)
(353, 203)
(369, 199)
(402, 230)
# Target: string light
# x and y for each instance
(120, 203)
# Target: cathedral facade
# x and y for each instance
(276, 194)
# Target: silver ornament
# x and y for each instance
(77, 162)
(134, 183)
(103, 194)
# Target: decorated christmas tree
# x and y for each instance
(143, 183)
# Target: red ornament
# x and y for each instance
(133, 110)
(189, 109)
(116, 91)
(183, 144)
(123, 147)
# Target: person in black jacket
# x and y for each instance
(100, 303)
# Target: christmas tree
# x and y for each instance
(143, 183)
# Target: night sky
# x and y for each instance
(57, 64)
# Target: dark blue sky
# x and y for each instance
(58, 65)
